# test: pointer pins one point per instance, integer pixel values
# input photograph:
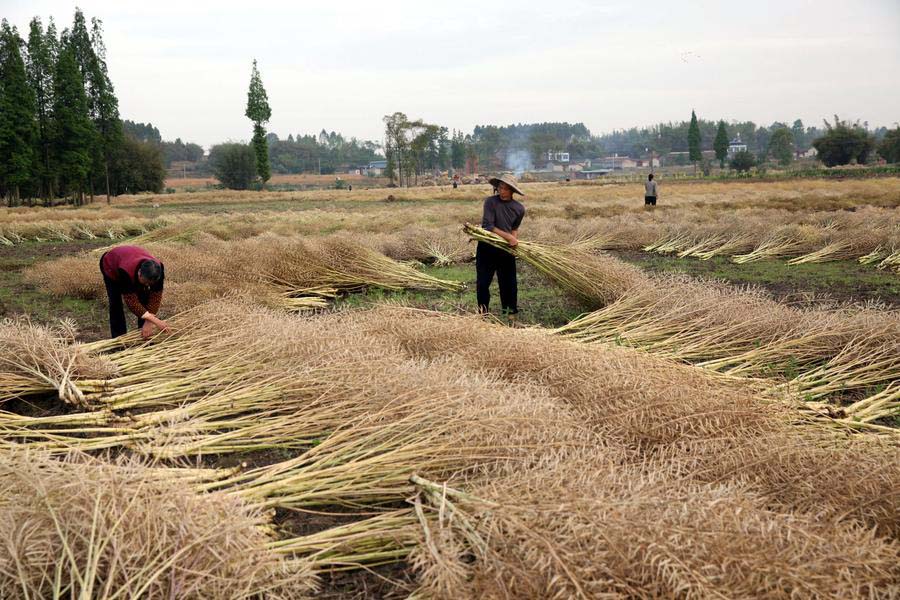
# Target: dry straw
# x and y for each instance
(746, 333)
(586, 527)
(595, 280)
(677, 412)
(554, 453)
(289, 273)
(85, 529)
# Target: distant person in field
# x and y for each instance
(135, 276)
(650, 191)
(503, 216)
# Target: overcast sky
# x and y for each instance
(185, 66)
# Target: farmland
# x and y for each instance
(699, 400)
(184, 183)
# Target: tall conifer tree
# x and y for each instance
(694, 152)
(720, 145)
(73, 132)
(259, 113)
(17, 123)
(39, 67)
(104, 104)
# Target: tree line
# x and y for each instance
(838, 143)
(413, 147)
(176, 151)
(60, 131)
(325, 153)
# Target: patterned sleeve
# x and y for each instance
(154, 301)
(133, 304)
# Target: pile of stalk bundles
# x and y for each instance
(341, 263)
(62, 225)
(586, 526)
(278, 271)
(553, 453)
(82, 528)
(37, 359)
(595, 279)
(233, 377)
(714, 429)
(632, 397)
(743, 332)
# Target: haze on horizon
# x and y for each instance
(185, 66)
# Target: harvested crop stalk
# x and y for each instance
(833, 251)
(378, 540)
(596, 280)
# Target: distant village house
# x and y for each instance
(376, 168)
(736, 146)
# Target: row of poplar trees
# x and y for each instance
(59, 116)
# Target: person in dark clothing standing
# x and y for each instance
(135, 276)
(503, 216)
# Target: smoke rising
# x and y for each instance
(518, 161)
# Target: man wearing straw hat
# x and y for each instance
(132, 274)
(503, 216)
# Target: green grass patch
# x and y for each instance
(540, 302)
(842, 280)
(17, 297)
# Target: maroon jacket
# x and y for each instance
(120, 265)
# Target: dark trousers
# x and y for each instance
(490, 260)
(649, 200)
(117, 324)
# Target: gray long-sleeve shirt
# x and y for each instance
(506, 216)
(650, 189)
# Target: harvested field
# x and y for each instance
(328, 417)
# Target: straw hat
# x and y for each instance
(509, 180)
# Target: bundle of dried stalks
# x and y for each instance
(382, 539)
(276, 271)
(785, 241)
(37, 359)
(460, 429)
(746, 333)
(596, 280)
(586, 527)
(85, 529)
(634, 398)
(718, 429)
(801, 468)
(687, 319)
(341, 263)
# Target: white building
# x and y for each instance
(615, 163)
(562, 157)
(736, 146)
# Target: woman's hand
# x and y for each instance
(151, 320)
